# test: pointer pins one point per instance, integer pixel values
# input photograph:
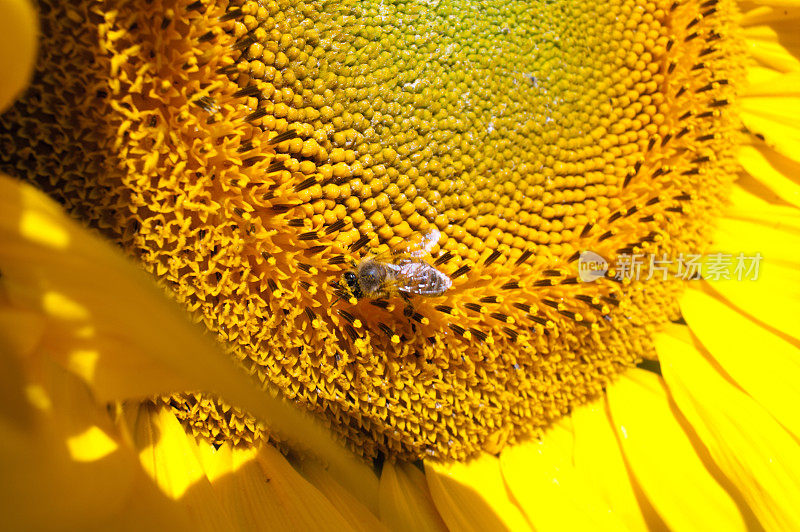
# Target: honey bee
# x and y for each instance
(399, 275)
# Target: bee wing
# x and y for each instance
(420, 278)
(430, 240)
(423, 248)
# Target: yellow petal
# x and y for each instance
(473, 496)
(762, 116)
(146, 508)
(405, 501)
(543, 481)
(764, 365)
(170, 457)
(64, 468)
(744, 205)
(788, 4)
(599, 459)
(663, 460)
(260, 490)
(96, 298)
(747, 444)
(352, 510)
(773, 300)
(754, 226)
(17, 48)
(110, 324)
(773, 170)
(63, 462)
(781, 109)
(767, 14)
(299, 502)
(20, 333)
(772, 55)
(767, 83)
(766, 238)
(227, 488)
(770, 40)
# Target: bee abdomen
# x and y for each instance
(422, 279)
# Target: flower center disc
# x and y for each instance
(249, 152)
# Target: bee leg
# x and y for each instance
(408, 311)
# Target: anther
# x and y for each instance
(286, 135)
(443, 259)
(496, 254)
(250, 90)
(336, 226)
(524, 307)
(473, 307)
(360, 243)
(311, 181)
(480, 335)
(380, 303)
(261, 112)
(461, 271)
(230, 15)
(525, 256)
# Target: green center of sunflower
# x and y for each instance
(248, 153)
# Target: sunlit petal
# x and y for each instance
(473, 496)
(749, 446)
(754, 228)
(543, 480)
(599, 458)
(664, 460)
(749, 354)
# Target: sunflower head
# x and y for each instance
(248, 153)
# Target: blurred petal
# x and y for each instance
(663, 459)
(44, 460)
(749, 446)
(144, 346)
(405, 501)
(472, 495)
(18, 30)
(780, 130)
(20, 332)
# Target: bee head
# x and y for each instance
(351, 279)
(370, 275)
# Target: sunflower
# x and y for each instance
(247, 154)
